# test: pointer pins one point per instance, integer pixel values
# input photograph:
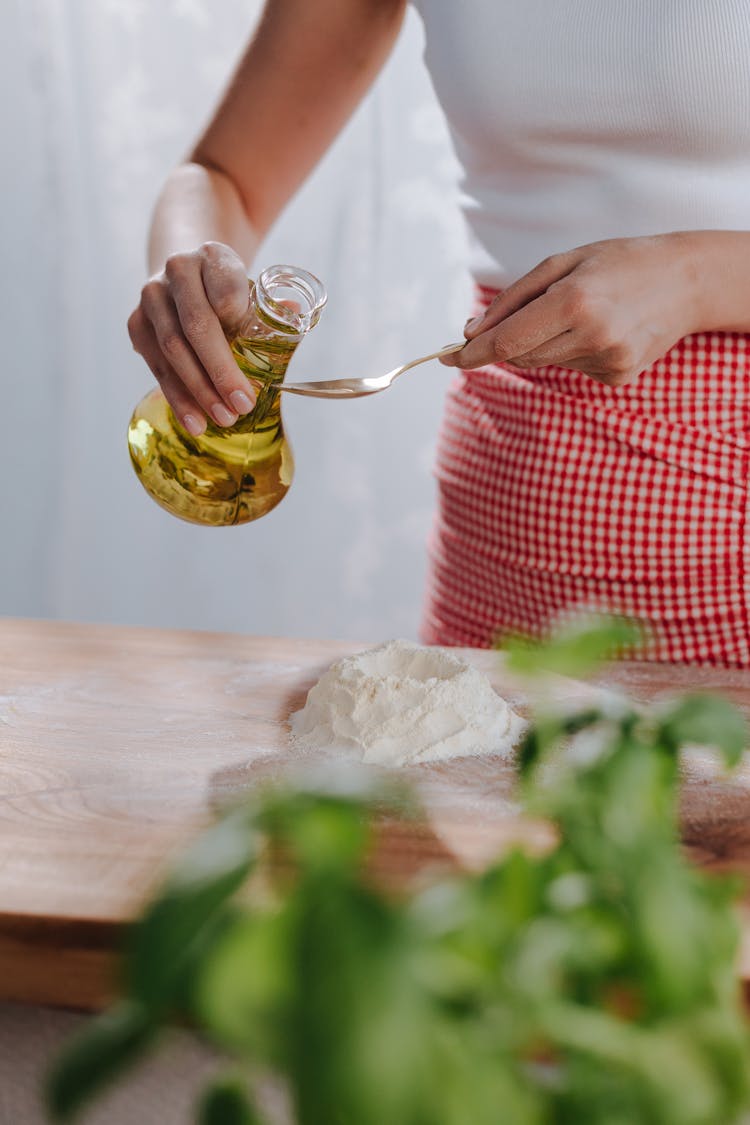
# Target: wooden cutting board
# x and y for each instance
(117, 744)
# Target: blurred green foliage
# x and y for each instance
(592, 985)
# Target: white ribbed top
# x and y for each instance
(577, 120)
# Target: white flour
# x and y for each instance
(402, 703)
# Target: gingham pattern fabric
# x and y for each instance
(557, 494)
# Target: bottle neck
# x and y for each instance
(288, 299)
(285, 302)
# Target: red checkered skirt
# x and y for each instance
(558, 494)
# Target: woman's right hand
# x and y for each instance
(178, 328)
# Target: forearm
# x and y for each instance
(302, 75)
(304, 72)
(196, 205)
(720, 266)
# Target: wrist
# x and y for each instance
(199, 205)
(716, 268)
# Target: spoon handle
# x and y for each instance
(446, 350)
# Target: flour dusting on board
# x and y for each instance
(402, 703)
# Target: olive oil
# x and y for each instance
(234, 474)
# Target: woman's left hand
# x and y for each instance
(609, 309)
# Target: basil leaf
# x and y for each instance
(101, 1051)
(706, 720)
(243, 991)
(226, 1102)
(576, 650)
(172, 931)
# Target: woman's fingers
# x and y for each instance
(186, 408)
(522, 292)
(177, 327)
(540, 335)
(571, 349)
(603, 373)
(559, 350)
(201, 330)
(162, 314)
(522, 332)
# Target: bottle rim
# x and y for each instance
(280, 288)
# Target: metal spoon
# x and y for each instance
(356, 388)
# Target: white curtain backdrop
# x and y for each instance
(100, 99)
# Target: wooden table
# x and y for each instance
(117, 744)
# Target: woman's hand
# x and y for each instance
(609, 309)
(178, 328)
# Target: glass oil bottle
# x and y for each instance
(234, 474)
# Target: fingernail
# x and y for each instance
(193, 425)
(241, 403)
(472, 324)
(223, 416)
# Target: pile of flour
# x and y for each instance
(401, 703)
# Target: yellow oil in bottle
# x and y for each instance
(227, 475)
(234, 474)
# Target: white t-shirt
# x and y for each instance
(577, 120)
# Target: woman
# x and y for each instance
(595, 448)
